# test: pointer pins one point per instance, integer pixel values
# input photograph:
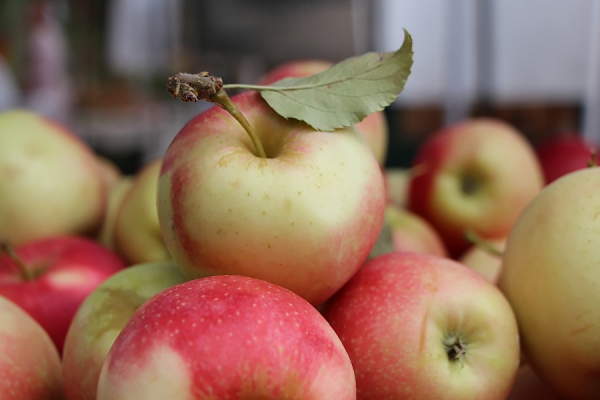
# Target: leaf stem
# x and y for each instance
(473, 237)
(7, 249)
(221, 99)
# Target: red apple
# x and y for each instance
(418, 326)
(410, 232)
(29, 362)
(50, 180)
(305, 217)
(374, 127)
(477, 175)
(227, 337)
(49, 278)
(563, 154)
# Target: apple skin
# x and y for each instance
(410, 232)
(550, 276)
(50, 180)
(110, 171)
(396, 315)
(483, 262)
(528, 386)
(137, 235)
(563, 154)
(477, 174)
(30, 364)
(102, 316)
(396, 183)
(65, 269)
(227, 337)
(304, 219)
(374, 127)
(116, 193)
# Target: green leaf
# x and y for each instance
(347, 92)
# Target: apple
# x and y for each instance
(30, 364)
(137, 234)
(418, 326)
(397, 181)
(374, 127)
(477, 175)
(305, 217)
(102, 316)
(116, 193)
(483, 261)
(528, 386)
(562, 154)
(49, 278)
(410, 232)
(50, 181)
(551, 277)
(227, 337)
(111, 173)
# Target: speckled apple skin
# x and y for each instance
(227, 337)
(395, 314)
(304, 218)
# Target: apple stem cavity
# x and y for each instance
(7, 249)
(202, 86)
(456, 351)
(473, 237)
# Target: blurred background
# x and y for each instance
(100, 66)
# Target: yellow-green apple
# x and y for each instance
(418, 326)
(102, 316)
(551, 277)
(477, 175)
(111, 173)
(225, 337)
(49, 278)
(374, 127)
(137, 234)
(50, 181)
(30, 363)
(396, 183)
(410, 232)
(566, 153)
(485, 261)
(304, 217)
(116, 193)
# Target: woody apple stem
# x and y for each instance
(221, 99)
(202, 86)
(472, 237)
(10, 252)
(592, 161)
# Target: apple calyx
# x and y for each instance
(455, 350)
(473, 237)
(26, 274)
(202, 86)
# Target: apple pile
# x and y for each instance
(220, 271)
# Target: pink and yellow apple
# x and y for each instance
(227, 337)
(102, 316)
(551, 277)
(50, 180)
(137, 235)
(485, 262)
(305, 217)
(374, 127)
(410, 232)
(30, 363)
(418, 326)
(478, 174)
(49, 278)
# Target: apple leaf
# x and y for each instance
(344, 94)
